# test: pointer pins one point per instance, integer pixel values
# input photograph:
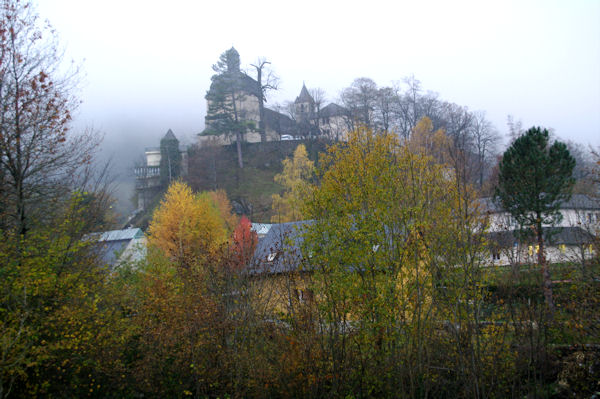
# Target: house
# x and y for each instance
(116, 247)
(580, 211)
(570, 240)
(279, 271)
(563, 244)
(280, 250)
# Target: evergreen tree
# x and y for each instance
(535, 178)
(227, 92)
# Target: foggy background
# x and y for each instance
(147, 64)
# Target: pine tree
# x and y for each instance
(228, 90)
(535, 179)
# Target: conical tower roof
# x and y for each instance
(304, 96)
(169, 136)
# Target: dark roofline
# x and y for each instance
(552, 236)
(576, 202)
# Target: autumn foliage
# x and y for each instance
(243, 243)
(295, 178)
(187, 227)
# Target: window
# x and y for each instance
(495, 254)
(272, 256)
(305, 295)
(563, 248)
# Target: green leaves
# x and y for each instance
(535, 178)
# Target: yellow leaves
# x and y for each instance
(424, 140)
(295, 180)
(186, 227)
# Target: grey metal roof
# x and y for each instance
(582, 201)
(261, 228)
(280, 250)
(119, 235)
(552, 235)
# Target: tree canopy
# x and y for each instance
(535, 179)
(295, 178)
(188, 228)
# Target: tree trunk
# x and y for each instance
(546, 280)
(238, 134)
(261, 107)
(238, 140)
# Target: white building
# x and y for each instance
(571, 240)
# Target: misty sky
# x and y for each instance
(148, 63)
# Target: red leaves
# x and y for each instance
(244, 242)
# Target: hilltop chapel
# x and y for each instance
(305, 118)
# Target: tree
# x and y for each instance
(228, 91)
(187, 228)
(389, 229)
(319, 98)
(271, 82)
(295, 179)
(424, 140)
(485, 139)
(39, 156)
(535, 178)
(243, 243)
(361, 100)
(387, 100)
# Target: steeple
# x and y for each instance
(305, 105)
(304, 96)
(169, 136)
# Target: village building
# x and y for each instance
(571, 240)
(160, 166)
(305, 120)
(119, 247)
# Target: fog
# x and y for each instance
(148, 64)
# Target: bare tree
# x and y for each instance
(319, 98)
(387, 101)
(361, 100)
(265, 82)
(515, 128)
(485, 141)
(39, 154)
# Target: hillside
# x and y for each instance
(249, 189)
